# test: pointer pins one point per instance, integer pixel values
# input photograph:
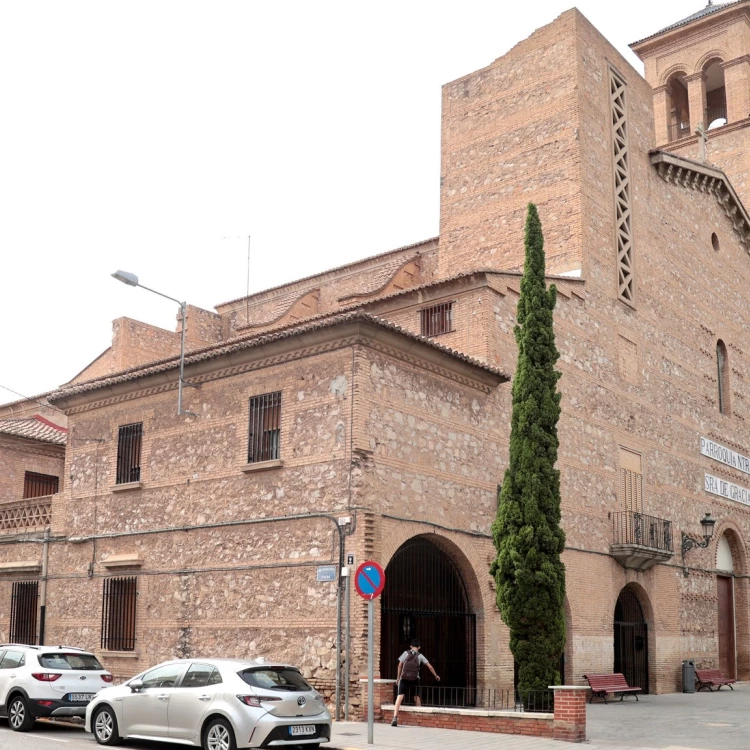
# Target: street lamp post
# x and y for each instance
(132, 280)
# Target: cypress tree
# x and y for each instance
(528, 571)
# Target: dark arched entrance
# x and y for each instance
(425, 597)
(631, 640)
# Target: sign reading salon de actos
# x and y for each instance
(725, 455)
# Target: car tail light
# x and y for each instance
(46, 676)
(257, 700)
(107, 677)
(46, 704)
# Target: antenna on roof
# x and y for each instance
(247, 293)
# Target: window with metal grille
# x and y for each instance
(23, 612)
(118, 614)
(39, 485)
(129, 442)
(265, 428)
(436, 320)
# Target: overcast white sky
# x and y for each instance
(155, 136)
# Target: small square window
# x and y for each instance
(436, 320)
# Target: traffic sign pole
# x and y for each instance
(369, 580)
(370, 672)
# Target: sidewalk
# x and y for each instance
(353, 736)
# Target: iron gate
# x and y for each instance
(23, 612)
(631, 640)
(425, 597)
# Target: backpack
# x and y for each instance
(410, 670)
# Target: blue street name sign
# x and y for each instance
(326, 572)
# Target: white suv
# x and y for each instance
(53, 681)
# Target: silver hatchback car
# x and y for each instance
(215, 704)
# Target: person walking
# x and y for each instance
(408, 676)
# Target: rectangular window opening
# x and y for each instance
(23, 612)
(39, 485)
(129, 441)
(264, 438)
(118, 614)
(437, 319)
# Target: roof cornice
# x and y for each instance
(707, 179)
(359, 329)
(691, 25)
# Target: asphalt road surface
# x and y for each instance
(47, 735)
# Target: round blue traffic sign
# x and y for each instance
(369, 580)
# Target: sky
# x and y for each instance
(155, 137)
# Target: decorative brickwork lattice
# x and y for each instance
(25, 514)
(625, 260)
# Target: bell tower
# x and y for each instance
(699, 70)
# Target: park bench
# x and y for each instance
(601, 684)
(712, 678)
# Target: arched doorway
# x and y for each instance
(425, 597)
(725, 595)
(631, 640)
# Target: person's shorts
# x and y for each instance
(409, 689)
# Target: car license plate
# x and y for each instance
(302, 729)
(80, 697)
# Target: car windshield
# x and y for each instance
(69, 661)
(275, 678)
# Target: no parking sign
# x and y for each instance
(369, 580)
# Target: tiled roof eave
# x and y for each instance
(706, 179)
(162, 372)
(699, 16)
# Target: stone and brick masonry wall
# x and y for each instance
(567, 723)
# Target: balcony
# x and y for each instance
(25, 515)
(679, 130)
(640, 541)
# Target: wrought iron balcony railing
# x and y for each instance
(637, 528)
(679, 130)
(712, 114)
(22, 515)
(640, 541)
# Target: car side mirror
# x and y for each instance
(135, 685)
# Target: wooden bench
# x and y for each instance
(712, 678)
(601, 684)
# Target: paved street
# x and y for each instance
(702, 721)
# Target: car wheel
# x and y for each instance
(19, 716)
(219, 736)
(104, 725)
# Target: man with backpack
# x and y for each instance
(408, 676)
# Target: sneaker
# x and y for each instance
(394, 723)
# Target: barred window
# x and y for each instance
(23, 612)
(118, 614)
(436, 320)
(265, 428)
(129, 442)
(39, 485)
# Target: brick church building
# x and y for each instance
(365, 412)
